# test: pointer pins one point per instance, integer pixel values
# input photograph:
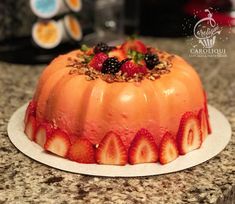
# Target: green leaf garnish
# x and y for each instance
(88, 58)
(84, 47)
(136, 56)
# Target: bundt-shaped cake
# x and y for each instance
(118, 105)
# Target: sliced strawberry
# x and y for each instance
(133, 44)
(207, 114)
(131, 68)
(117, 53)
(82, 151)
(189, 135)
(168, 149)
(31, 110)
(203, 123)
(58, 143)
(89, 51)
(43, 132)
(143, 149)
(98, 60)
(111, 150)
(30, 127)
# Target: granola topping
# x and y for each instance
(132, 64)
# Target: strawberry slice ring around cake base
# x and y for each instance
(118, 105)
(212, 145)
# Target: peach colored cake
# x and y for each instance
(118, 105)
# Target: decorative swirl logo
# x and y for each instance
(206, 30)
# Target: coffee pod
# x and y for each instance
(50, 8)
(47, 34)
(71, 28)
(74, 5)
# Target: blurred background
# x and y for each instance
(35, 31)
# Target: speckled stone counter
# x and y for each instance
(23, 180)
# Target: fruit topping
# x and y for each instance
(82, 151)
(98, 60)
(58, 143)
(31, 110)
(203, 123)
(143, 148)
(111, 150)
(102, 47)
(133, 44)
(131, 68)
(30, 127)
(207, 114)
(111, 66)
(151, 60)
(168, 149)
(117, 53)
(43, 132)
(189, 135)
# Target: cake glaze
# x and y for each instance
(89, 108)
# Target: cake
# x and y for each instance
(118, 105)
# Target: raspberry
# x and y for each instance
(111, 66)
(98, 60)
(151, 60)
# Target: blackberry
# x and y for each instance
(102, 47)
(111, 66)
(151, 60)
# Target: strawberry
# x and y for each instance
(58, 143)
(111, 150)
(133, 44)
(168, 149)
(31, 110)
(131, 68)
(189, 135)
(203, 123)
(43, 132)
(117, 53)
(207, 114)
(143, 148)
(82, 151)
(98, 60)
(30, 127)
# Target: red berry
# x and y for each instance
(143, 149)
(189, 135)
(111, 150)
(31, 110)
(98, 60)
(132, 68)
(168, 149)
(58, 143)
(82, 151)
(43, 133)
(117, 53)
(30, 127)
(133, 44)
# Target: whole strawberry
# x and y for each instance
(98, 60)
(131, 68)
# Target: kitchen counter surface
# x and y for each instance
(23, 180)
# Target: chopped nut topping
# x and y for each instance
(78, 65)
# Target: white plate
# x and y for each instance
(214, 144)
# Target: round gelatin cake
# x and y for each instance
(118, 105)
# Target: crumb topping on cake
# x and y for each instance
(130, 62)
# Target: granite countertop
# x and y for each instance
(23, 180)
